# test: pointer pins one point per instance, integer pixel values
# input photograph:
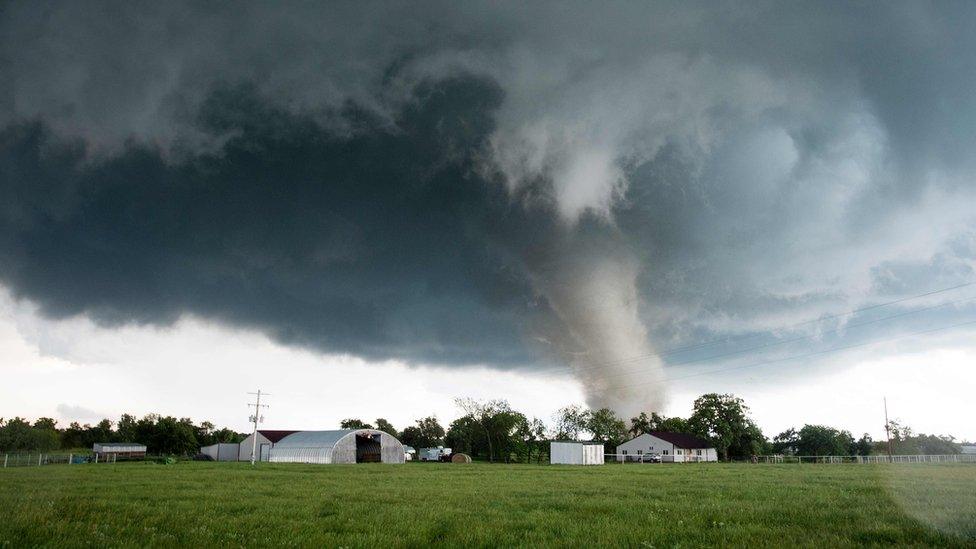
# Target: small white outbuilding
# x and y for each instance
(575, 453)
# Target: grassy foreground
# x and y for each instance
(488, 505)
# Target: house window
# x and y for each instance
(679, 451)
(640, 452)
(698, 452)
(624, 452)
(665, 452)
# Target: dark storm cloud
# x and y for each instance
(445, 182)
(373, 244)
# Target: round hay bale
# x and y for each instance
(460, 458)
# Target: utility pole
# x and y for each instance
(255, 419)
(887, 428)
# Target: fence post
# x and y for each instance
(71, 459)
(39, 457)
(5, 456)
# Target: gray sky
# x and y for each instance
(555, 196)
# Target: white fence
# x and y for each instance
(949, 458)
(655, 458)
(36, 460)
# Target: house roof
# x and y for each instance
(275, 436)
(682, 440)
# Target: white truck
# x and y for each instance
(439, 453)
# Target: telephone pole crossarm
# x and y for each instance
(255, 419)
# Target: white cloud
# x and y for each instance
(204, 371)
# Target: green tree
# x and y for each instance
(820, 440)
(173, 436)
(427, 433)
(606, 427)
(75, 436)
(46, 423)
(495, 417)
(655, 422)
(386, 427)
(571, 421)
(786, 442)
(354, 423)
(16, 434)
(864, 445)
(536, 439)
(466, 435)
(102, 432)
(44, 436)
(126, 429)
(724, 419)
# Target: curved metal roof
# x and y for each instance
(318, 439)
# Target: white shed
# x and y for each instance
(342, 446)
(575, 453)
(222, 451)
(668, 447)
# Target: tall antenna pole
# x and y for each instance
(255, 419)
(887, 428)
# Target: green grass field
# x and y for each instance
(488, 505)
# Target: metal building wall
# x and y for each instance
(245, 447)
(566, 453)
(225, 451)
(592, 454)
(332, 447)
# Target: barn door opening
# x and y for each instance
(368, 449)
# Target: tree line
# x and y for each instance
(493, 431)
(160, 434)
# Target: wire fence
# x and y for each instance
(783, 459)
(41, 458)
(920, 458)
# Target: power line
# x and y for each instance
(661, 354)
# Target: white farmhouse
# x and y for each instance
(668, 447)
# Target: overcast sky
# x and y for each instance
(369, 209)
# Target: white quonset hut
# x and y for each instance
(343, 446)
(669, 447)
(575, 453)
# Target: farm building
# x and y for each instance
(968, 448)
(342, 446)
(223, 451)
(119, 449)
(266, 440)
(575, 453)
(667, 447)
